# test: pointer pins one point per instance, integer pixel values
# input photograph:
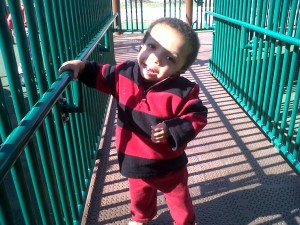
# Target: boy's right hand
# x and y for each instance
(76, 65)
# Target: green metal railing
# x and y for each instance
(136, 16)
(50, 129)
(256, 58)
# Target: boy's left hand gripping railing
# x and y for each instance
(14, 144)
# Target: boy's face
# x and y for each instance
(163, 53)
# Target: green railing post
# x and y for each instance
(261, 67)
(59, 156)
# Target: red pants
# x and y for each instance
(143, 193)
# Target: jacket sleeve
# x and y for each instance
(191, 119)
(102, 77)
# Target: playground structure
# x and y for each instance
(51, 128)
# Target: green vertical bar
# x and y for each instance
(31, 157)
(180, 5)
(242, 53)
(17, 96)
(242, 64)
(126, 12)
(88, 21)
(22, 190)
(86, 141)
(59, 163)
(64, 132)
(217, 43)
(62, 18)
(10, 61)
(5, 124)
(23, 47)
(293, 117)
(296, 151)
(36, 54)
(247, 58)
(219, 57)
(266, 100)
(252, 73)
(79, 158)
(281, 89)
(89, 124)
(52, 37)
(73, 179)
(71, 138)
(257, 14)
(70, 29)
(174, 14)
(59, 35)
(262, 63)
(73, 152)
(86, 136)
(81, 146)
(136, 16)
(73, 27)
(93, 133)
(131, 16)
(236, 49)
(283, 70)
(6, 211)
(165, 5)
(289, 88)
(227, 56)
(142, 18)
(79, 24)
(224, 60)
(49, 161)
(253, 11)
(71, 175)
(59, 166)
(274, 90)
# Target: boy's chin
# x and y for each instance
(150, 78)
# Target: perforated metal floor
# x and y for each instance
(236, 176)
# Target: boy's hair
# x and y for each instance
(188, 33)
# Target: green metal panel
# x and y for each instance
(136, 16)
(259, 65)
(46, 161)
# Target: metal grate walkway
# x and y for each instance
(236, 176)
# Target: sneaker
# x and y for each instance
(21, 79)
(21, 75)
(135, 223)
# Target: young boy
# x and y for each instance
(159, 112)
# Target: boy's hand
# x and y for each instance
(76, 65)
(159, 133)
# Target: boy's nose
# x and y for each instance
(154, 58)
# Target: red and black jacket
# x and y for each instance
(173, 100)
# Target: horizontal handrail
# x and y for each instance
(270, 33)
(14, 144)
(262, 74)
(11, 148)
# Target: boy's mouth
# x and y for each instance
(149, 71)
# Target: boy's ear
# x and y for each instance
(181, 71)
